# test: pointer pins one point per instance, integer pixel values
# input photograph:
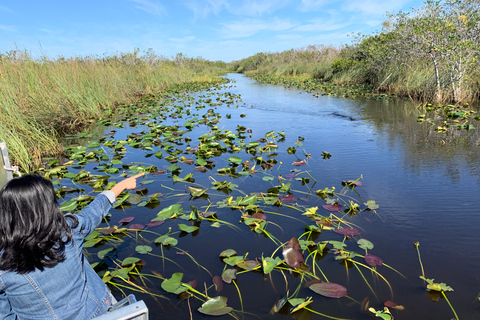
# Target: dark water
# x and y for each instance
(427, 186)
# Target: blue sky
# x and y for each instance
(212, 29)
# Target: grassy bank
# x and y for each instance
(429, 54)
(40, 99)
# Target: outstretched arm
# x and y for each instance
(129, 183)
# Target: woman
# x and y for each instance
(43, 272)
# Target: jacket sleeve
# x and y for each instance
(90, 217)
(6, 312)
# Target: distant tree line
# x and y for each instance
(430, 53)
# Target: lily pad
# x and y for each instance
(329, 289)
(372, 260)
(215, 307)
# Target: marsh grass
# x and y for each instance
(41, 99)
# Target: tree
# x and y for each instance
(446, 32)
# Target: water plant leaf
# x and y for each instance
(337, 244)
(169, 212)
(248, 264)
(248, 200)
(174, 284)
(107, 230)
(235, 159)
(269, 264)
(187, 229)
(391, 304)
(372, 205)
(268, 178)
(299, 303)
(126, 220)
(384, 314)
(436, 286)
(130, 260)
(348, 232)
(365, 244)
(217, 281)
(166, 240)
(215, 307)
(229, 274)
(196, 191)
(228, 253)
(232, 261)
(147, 182)
(372, 260)
(292, 254)
(299, 163)
(332, 208)
(280, 303)
(143, 249)
(152, 224)
(329, 289)
(103, 253)
(136, 226)
(135, 199)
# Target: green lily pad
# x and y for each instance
(215, 307)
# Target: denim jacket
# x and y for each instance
(69, 290)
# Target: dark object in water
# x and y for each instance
(344, 116)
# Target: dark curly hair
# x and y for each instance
(33, 229)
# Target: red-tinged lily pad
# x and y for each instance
(303, 199)
(259, 215)
(312, 282)
(126, 220)
(187, 161)
(299, 163)
(287, 199)
(152, 224)
(290, 175)
(292, 254)
(348, 232)
(199, 168)
(352, 183)
(332, 207)
(217, 281)
(329, 289)
(324, 222)
(157, 172)
(373, 261)
(136, 226)
(262, 140)
(391, 304)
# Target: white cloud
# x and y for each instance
(150, 6)
(322, 25)
(373, 7)
(201, 9)
(259, 7)
(314, 5)
(250, 27)
(6, 9)
(8, 28)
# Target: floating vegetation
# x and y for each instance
(203, 177)
(446, 118)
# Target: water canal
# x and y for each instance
(427, 191)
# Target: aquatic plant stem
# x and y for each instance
(239, 295)
(451, 307)
(417, 244)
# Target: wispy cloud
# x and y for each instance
(320, 25)
(6, 9)
(201, 9)
(314, 5)
(8, 28)
(259, 7)
(150, 6)
(373, 7)
(249, 27)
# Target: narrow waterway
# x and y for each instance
(425, 183)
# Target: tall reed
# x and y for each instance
(41, 98)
